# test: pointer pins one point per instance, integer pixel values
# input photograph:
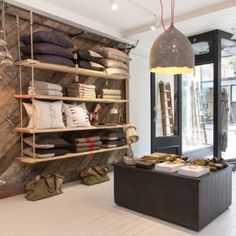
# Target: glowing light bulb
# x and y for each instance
(114, 5)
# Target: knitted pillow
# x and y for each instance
(113, 53)
(90, 65)
(88, 55)
(76, 115)
(110, 63)
(48, 49)
(48, 37)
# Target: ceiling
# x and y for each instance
(130, 22)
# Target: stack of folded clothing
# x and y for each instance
(45, 88)
(82, 91)
(115, 62)
(112, 139)
(111, 94)
(48, 47)
(86, 144)
(46, 145)
(88, 59)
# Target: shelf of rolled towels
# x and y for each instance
(51, 47)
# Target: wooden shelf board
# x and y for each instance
(67, 129)
(31, 160)
(65, 69)
(75, 99)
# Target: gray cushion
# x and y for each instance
(52, 59)
(48, 49)
(48, 37)
(90, 65)
(88, 55)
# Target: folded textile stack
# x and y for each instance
(82, 91)
(86, 144)
(48, 47)
(45, 88)
(88, 59)
(46, 146)
(111, 94)
(112, 139)
(115, 62)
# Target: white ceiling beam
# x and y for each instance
(187, 16)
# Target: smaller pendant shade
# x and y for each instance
(172, 53)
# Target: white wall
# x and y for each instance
(140, 100)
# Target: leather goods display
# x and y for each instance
(44, 186)
(143, 164)
(94, 175)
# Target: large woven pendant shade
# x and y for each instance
(172, 53)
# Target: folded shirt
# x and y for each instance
(46, 86)
(32, 91)
(111, 92)
(111, 97)
(86, 140)
(86, 86)
(112, 136)
(86, 149)
(90, 144)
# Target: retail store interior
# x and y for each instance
(118, 118)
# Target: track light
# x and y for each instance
(114, 5)
(234, 34)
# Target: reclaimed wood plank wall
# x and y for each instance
(16, 174)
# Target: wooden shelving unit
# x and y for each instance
(31, 160)
(73, 99)
(65, 69)
(67, 129)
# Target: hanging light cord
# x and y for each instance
(172, 16)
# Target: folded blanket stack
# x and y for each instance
(48, 47)
(86, 144)
(45, 88)
(111, 94)
(113, 139)
(46, 145)
(82, 91)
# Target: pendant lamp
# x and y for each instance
(172, 52)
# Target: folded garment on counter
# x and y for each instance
(90, 144)
(87, 140)
(43, 153)
(111, 92)
(86, 149)
(47, 92)
(46, 85)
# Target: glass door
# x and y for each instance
(228, 106)
(198, 112)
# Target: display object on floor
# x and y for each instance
(44, 186)
(94, 175)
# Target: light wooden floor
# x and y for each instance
(90, 211)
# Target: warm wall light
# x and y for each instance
(114, 5)
(172, 52)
